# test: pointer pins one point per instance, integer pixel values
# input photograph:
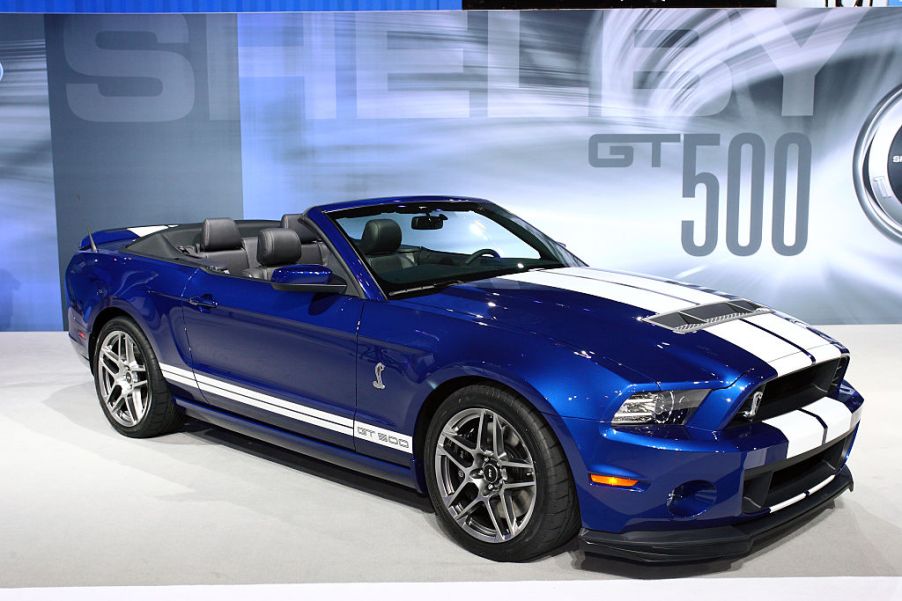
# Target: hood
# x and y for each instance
(601, 314)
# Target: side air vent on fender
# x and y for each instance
(704, 316)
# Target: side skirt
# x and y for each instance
(301, 444)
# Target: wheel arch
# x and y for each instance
(430, 405)
(103, 317)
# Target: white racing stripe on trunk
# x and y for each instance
(833, 413)
(146, 230)
(802, 431)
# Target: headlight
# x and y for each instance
(665, 407)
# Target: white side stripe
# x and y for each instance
(189, 382)
(176, 371)
(259, 396)
(802, 431)
(297, 415)
(302, 413)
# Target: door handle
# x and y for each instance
(203, 302)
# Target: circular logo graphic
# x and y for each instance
(878, 166)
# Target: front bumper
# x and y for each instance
(712, 542)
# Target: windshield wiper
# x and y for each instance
(427, 287)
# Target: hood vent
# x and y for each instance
(704, 316)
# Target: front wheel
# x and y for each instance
(497, 476)
(130, 386)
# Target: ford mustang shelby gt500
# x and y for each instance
(445, 344)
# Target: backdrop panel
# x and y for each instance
(754, 151)
(29, 285)
(713, 146)
(145, 121)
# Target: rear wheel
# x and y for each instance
(497, 476)
(132, 392)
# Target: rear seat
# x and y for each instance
(221, 246)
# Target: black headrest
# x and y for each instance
(293, 221)
(219, 234)
(278, 246)
(380, 236)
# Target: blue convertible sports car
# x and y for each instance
(445, 344)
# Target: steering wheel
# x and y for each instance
(482, 252)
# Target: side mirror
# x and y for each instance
(307, 278)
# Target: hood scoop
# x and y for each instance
(700, 317)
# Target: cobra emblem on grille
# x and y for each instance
(752, 411)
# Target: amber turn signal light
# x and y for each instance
(613, 480)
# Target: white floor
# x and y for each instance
(82, 506)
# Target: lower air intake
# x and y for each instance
(704, 316)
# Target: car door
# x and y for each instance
(285, 358)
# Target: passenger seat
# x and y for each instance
(276, 247)
(221, 246)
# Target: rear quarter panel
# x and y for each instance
(146, 289)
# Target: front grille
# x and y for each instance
(793, 391)
(772, 484)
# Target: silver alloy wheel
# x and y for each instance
(123, 378)
(485, 475)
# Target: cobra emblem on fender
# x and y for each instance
(377, 383)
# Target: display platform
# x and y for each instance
(84, 506)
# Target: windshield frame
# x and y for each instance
(547, 247)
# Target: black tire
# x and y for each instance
(555, 515)
(161, 415)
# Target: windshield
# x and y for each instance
(422, 246)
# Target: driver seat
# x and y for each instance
(276, 247)
(380, 242)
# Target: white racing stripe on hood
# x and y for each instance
(798, 335)
(636, 297)
(661, 297)
(692, 295)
